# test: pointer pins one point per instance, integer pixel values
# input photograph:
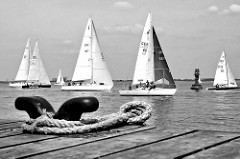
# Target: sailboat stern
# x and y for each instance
(87, 87)
(149, 92)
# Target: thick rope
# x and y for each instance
(136, 112)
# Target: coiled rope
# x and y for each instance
(136, 112)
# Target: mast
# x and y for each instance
(91, 54)
(226, 66)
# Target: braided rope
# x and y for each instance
(136, 112)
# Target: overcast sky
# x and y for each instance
(192, 33)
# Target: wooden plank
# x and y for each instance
(229, 150)
(3, 121)
(6, 126)
(37, 148)
(11, 133)
(15, 140)
(174, 148)
(110, 145)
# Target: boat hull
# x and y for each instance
(146, 92)
(87, 88)
(16, 85)
(222, 88)
(35, 86)
(59, 84)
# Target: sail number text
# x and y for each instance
(144, 46)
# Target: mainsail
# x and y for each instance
(22, 74)
(91, 66)
(37, 72)
(144, 64)
(83, 69)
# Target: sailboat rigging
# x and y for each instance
(152, 75)
(91, 72)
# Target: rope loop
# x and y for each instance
(136, 112)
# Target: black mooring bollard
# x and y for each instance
(33, 105)
(73, 108)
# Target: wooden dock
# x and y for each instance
(134, 141)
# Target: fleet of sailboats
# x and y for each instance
(152, 75)
(60, 80)
(31, 72)
(91, 72)
(224, 78)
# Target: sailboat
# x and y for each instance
(60, 81)
(152, 75)
(23, 70)
(91, 72)
(224, 79)
(31, 72)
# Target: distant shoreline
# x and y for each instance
(205, 79)
(202, 79)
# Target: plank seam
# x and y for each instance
(100, 139)
(206, 148)
(28, 142)
(146, 144)
(10, 135)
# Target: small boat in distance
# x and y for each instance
(224, 79)
(31, 72)
(60, 80)
(91, 72)
(197, 86)
(152, 75)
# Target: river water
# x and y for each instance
(187, 109)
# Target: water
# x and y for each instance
(187, 109)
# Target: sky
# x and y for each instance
(192, 33)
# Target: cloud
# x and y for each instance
(67, 42)
(135, 29)
(69, 51)
(232, 9)
(213, 9)
(123, 5)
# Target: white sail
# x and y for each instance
(60, 80)
(91, 65)
(83, 69)
(34, 65)
(100, 73)
(231, 80)
(224, 76)
(152, 75)
(144, 65)
(23, 70)
(59, 77)
(37, 70)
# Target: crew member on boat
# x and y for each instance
(147, 84)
